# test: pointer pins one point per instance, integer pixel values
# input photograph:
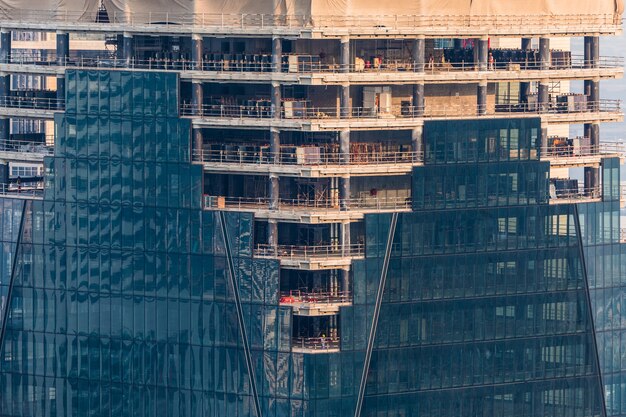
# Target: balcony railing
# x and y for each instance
(39, 103)
(356, 113)
(316, 343)
(372, 203)
(376, 23)
(291, 158)
(309, 252)
(26, 147)
(257, 63)
(315, 297)
(580, 193)
(568, 151)
(34, 190)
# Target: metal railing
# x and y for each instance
(309, 67)
(18, 190)
(39, 103)
(569, 151)
(315, 297)
(316, 343)
(579, 193)
(252, 21)
(308, 252)
(260, 157)
(26, 147)
(356, 113)
(320, 205)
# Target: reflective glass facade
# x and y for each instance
(128, 299)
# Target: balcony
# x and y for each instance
(30, 107)
(308, 70)
(26, 151)
(294, 25)
(311, 165)
(569, 195)
(315, 344)
(315, 303)
(566, 155)
(27, 191)
(311, 257)
(393, 117)
(309, 211)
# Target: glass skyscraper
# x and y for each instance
(205, 244)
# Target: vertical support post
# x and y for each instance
(63, 48)
(592, 51)
(543, 96)
(274, 192)
(344, 157)
(4, 175)
(197, 97)
(277, 54)
(476, 52)
(272, 233)
(276, 100)
(458, 43)
(419, 53)
(127, 47)
(592, 175)
(417, 142)
(346, 284)
(344, 236)
(544, 53)
(481, 98)
(198, 144)
(5, 90)
(60, 91)
(5, 46)
(344, 101)
(275, 145)
(418, 100)
(524, 87)
(344, 54)
(483, 53)
(197, 48)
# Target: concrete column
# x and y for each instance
(344, 56)
(197, 47)
(346, 284)
(344, 101)
(344, 236)
(5, 46)
(63, 47)
(418, 100)
(275, 144)
(60, 91)
(542, 96)
(344, 157)
(276, 100)
(127, 49)
(544, 53)
(524, 87)
(274, 192)
(592, 51)
(4, 174)
(5, 90)
(483, 53)
(481, 98)
(197, 97)
(592, 175)
(277, 54)
(417, 141)
(198, 144)
(272, 233)
(458, 43)
(419, 53)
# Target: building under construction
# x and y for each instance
(321, 208)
